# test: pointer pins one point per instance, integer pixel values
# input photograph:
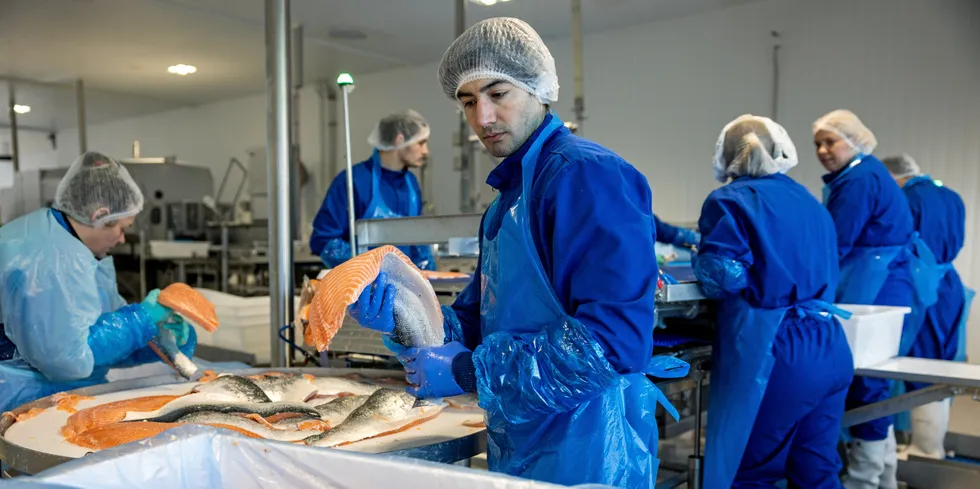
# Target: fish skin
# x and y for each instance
(176, 410)
(386, 411)
(465, 402)
(217, 418)
(165, 346)
(332, 386)
(288, 387)
(239, 387)
(336, 411)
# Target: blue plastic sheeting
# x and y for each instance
(198, 457)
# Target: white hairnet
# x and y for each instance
(410, 124)
(501, 48)
(97, 190)
(902, 166)
(846, 125)
(753, 146)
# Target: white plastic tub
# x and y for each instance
(874, 333)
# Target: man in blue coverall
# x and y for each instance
(940, 218)
(383, 188)
(555, 331)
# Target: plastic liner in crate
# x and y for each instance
(197, 457)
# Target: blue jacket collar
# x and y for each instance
(509, 170)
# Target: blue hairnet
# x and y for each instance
(501, 48)
(409, 124)
(902, 166)
(846, 125)
(98, 190)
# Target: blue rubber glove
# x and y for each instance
(687, 238)
(373, 309)
(164, 316)
(430, 370)
(397, 348)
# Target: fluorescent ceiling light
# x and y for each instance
(22, 109)
(487, 3)
(182, 69)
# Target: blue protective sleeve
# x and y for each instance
(720, 277)
(674, 235)
(524, 376)
(117, 335)
(724, 256)
(598, 227)
(147, 355)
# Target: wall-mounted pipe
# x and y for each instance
(467, 199)
(579, 78)
(80, 107)
(14, 144)
(278, 149)
(775, 76)
(295, 191)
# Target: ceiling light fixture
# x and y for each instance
(182, 69)
(22, 109)
(487, 3)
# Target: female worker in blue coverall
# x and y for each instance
(383, 188)
(555, 331)
(939, 216)
(882, 262)
(64, 322)
(781, 364)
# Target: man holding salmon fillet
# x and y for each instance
(555, 332)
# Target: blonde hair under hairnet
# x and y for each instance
(97, 190)
(846, 125)
(753, 146)
(409, 124)
(500, 48)
(902, 166)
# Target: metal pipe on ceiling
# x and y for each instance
(14, 144)
(278, 149)
(80, 105)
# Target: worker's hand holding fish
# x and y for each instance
(430, 369)
(166, 317)
(374, 308)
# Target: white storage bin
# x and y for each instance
(179, 249)
(874, 333)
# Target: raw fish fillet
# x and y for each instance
(242, 388)
(418, 317)
(190, 305)
(109, 413)
(247, 425)
(286, 387)
(68, 402)
(113, 435)
(337, 386)
(437, 275)
(179, 408)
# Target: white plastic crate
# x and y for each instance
(244, 324)
(179, 249)
(874, 333)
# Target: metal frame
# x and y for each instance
(420, 230)
(31, 462)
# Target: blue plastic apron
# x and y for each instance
(961, 325)
(609, 438)
(742, 362)
(378, 209)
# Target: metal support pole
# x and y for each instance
(694, 461)
(14, 144)
(80, 106)
(224, 258)
(579, 78)
(278, 156)
(144, 249)
(295, 190)
(467, 202)
(350, 173)
(775, 76)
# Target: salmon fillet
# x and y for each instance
(190, 305)
(435, 275)
(115, 434)
(68, 402)
(109, 413)
(341, 288)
